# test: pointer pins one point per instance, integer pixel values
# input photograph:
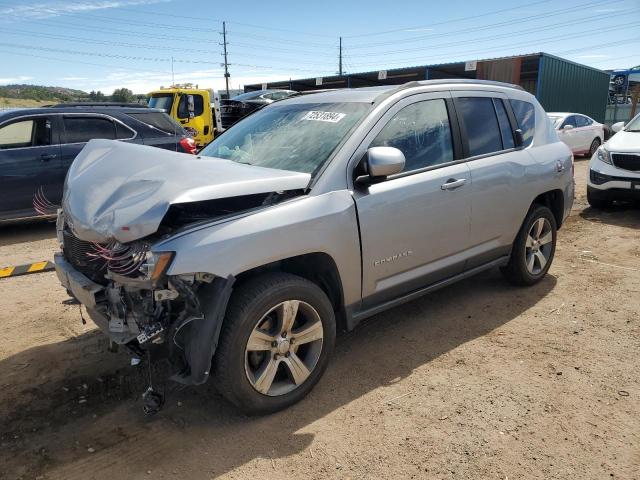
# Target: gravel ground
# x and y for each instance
(479, 380)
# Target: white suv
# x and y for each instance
(614, 170)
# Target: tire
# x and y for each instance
(597, 200)
(273, 362)
(594, 146)
(519, 270)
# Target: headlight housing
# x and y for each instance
(156, 265)
(602, 154)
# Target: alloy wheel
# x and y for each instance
(538, 246)
(284, 348)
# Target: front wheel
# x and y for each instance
(275, 343)
(533, 249)
(597, 200)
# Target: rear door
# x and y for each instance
(586, 132)
(415, 225)
(29, 159)
(499, 171)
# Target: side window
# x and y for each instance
(505, 126)
(481, 124)
(198, 105)
(183, 106)
(81, 129)
(26, 133)
(581, 121)
(526, 118)
(570, 120)
(422, 132)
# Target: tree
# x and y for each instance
(122, 95)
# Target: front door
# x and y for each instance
(29, 160)
(415, 225)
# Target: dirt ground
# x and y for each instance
(480, 380)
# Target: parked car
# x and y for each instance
(310, 215)
(582, 134)
(37, 146)
(242, 105)
(614, 170)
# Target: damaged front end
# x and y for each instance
(127, 293)
(120, 201)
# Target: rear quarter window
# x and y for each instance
(158, 121)
(526, 118)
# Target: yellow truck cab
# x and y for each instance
(189, 106)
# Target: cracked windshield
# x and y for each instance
(297, 137)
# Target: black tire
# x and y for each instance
(594, 146)
(516, 271)
(247, 306)
(596, 200)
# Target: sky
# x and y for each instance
(108, 44)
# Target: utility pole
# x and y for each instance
(226, 64)
(340, 58)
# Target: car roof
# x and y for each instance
(108, 110)
(372, 94)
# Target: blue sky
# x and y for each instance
(107, 44)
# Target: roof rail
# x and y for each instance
(444, 81)
(99, 104)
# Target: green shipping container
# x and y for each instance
(565, 86)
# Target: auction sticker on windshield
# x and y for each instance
(333, 117)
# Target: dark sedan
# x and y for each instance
(242, 105)
(37, 146)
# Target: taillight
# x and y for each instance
(189, 145)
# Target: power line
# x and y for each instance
(587, 19)
(448, 34)
(519, 7)
(496, 48)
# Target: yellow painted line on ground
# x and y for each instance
(18, 270)
(36, 267)
(6, 271)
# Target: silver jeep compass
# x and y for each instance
(306, 217)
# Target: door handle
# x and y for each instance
(453, 183)
(47, 156)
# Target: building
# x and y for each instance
(559, 85)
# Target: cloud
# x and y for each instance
(47, 10)
(10, 80)
(73, 79)
(417, 30)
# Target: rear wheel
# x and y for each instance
(276, 341)
(594, 146)
(533, 249)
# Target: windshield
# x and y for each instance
(633, 125)
(556, 120)
(162, 100)
(299, 137)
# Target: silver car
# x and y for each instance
(307, 217)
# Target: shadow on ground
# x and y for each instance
(71, 395)
(28, 231)
(620, 215)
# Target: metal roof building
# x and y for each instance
(559, 85)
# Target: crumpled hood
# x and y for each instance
(122, 191)
(624, 142)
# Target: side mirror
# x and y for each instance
(380, 162)
(519, 137)
(616, 127)
(191, 106)
(568, 127)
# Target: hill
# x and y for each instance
(38, 92)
